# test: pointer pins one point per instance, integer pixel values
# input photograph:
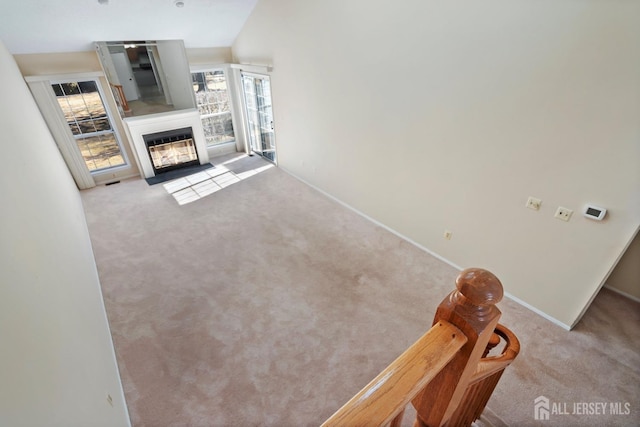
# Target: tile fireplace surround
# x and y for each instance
(153, 123)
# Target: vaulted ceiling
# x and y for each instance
(39, 26)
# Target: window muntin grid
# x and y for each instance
(89, 122)
(212, 98)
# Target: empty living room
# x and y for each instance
(320, 212)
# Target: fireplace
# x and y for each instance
(166, 141)
(171, 150)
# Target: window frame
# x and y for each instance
(110, 117)
(226, 72)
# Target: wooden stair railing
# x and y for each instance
(447, 374)
(384, 398)
(485, 379)
(121, 100)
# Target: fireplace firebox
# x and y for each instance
(171, 150)
(153, 126)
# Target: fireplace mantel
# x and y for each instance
(153, 123)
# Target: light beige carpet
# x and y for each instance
(266, 303)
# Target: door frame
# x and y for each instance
(245, 114)
(129, 84)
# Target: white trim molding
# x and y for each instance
(624, 294)
(71, 76)
(53, 116)
(251, 68)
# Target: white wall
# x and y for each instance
(433, 115)
(208, 56)
(57, 360)
(176, 71)
(625, 277)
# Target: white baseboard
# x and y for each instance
(624, 294)
(376, 222)
(419, 246)
(113, 180)
(537, 311)
(221, 149)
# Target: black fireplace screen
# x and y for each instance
(171, 150)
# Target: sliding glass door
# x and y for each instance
(259, 113)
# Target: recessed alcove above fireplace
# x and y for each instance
(167, 141)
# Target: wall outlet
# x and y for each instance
(563, 213)
(533, 203)
(447, 234)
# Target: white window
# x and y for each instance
(212, 98)
(90, 125)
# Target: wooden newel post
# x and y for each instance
(471, 307)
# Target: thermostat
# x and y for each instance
(594, 212)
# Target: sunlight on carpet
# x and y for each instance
(198, 185)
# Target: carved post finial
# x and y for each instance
(481, 287)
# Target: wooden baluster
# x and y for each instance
(493, 342)
(125, 104)
(118, 93)
(397, 421)
(472, 309)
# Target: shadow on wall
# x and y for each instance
(625, 277)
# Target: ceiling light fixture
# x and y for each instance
(103, 1)
(179, 3)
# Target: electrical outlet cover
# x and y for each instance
(563, 213)
(533, 203)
